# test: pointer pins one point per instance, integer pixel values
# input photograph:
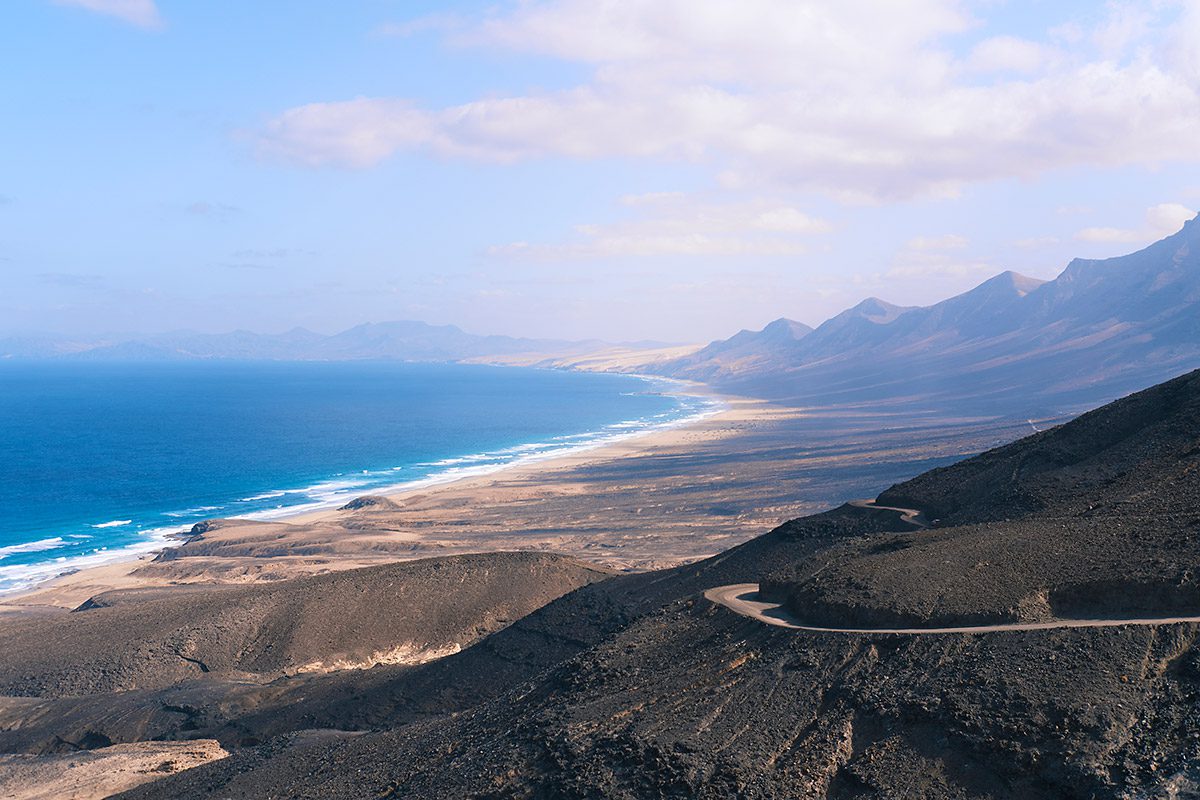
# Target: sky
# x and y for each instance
(672, 170)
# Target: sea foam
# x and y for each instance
(32, 547)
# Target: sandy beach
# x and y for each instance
(656, 500)
(548, 505)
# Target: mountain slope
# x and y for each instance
(1011, 345)
(394, 614)
(746, 351)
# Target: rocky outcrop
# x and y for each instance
(373, 502)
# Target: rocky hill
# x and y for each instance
(406, 613)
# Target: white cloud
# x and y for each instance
(860, 100)
(1010, 54)
(789, 220)
(358, 132)
(1183, 45)
(652, 198)
(1037, 242)
(1125, 26)
(764, 42)
(1104, 234)
(941, 269)
(949, 241)
(143, 13)
(680, 226)
(936, 256)
(1166, 218)
(1161, 220)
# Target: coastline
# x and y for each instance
(85, 531)
(621, 446)
(603, 447)
(467, 487)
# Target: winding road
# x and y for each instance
(743, 598)
(910, 515)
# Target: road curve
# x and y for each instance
(743, 598)
(910, 515)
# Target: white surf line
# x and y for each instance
(598, 440)
(742, 598)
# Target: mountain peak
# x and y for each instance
(1143, 269)
(1011, 283)
(784, 328)
(876, 310)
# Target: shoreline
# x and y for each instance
(68, 590)
(574, 457)
(157, 536)
(451, 470)
(454, 476)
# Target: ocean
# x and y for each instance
(100, 461)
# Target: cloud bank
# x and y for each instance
(1161, 220)
(858, 100)
(676, 224)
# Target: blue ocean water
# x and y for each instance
(99, 461)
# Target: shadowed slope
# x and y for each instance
(1012, 345)
(400, 613)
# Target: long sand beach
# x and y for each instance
(443, 516)
(654, 500)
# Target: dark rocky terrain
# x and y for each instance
(1012, 345)
(638, 687)
(112, 658)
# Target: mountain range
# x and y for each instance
(1100, 329)
(1012, 345)
(401, 340)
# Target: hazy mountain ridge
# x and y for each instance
(745, 350)
(1012, 345)
(1101, 328)
(400, 340)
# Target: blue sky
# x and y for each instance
(639, 169)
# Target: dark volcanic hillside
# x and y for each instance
(404, 613)
(639, 687)
(1013, 345)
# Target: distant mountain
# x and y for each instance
(744, 352)
(42, 346)
(1012, 344)
(239, 344)
(401, 341)
(416, 341)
